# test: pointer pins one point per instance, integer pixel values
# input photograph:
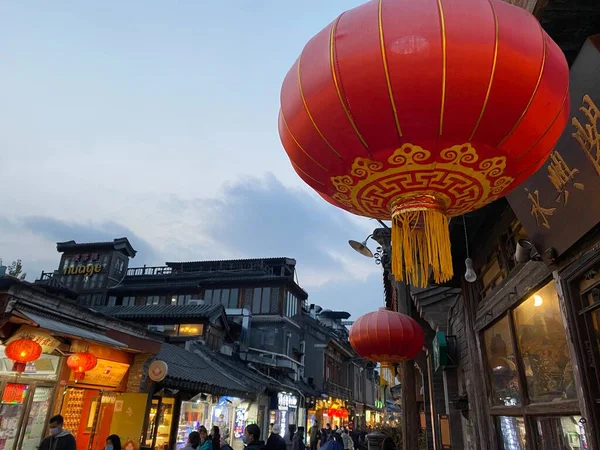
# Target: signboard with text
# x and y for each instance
(561, 202)
(44, 338)
(106, 373)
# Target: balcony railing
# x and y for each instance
(149, 271)
(335, 390)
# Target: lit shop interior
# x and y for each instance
(169, 415)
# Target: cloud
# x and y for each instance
(33, 239)
(250, 218)
(263, 218)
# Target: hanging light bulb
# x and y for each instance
(470, 274)
(537, 300)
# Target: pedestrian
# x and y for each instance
(193, 441)
(289, 436)
(298, 441)
(252, 438)
(59, 439)
(314, 435)
(275, 441)
(215, 437)
(347, 440)
(205, 442)
(113, 442)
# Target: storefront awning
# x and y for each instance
(65, 329)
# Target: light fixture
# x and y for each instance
(361, 247)
(525, 252)
(470, 275)
(537, 300)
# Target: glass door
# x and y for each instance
(36, 421)
(12, 406)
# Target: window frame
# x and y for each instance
(526, 409)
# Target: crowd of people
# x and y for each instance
(326, 438)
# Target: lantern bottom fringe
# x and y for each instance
(420, 242)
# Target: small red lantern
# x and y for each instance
(386, 336)
(22, 351)
(80, 363)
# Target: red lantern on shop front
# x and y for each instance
(403, 110)
(22, 351)
(80, 363)
(386, 336)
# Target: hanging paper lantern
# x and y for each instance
(386, 336)
(403, 110)
(80, 363)
(22, 351)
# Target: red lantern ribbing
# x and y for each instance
(403, 110)
(386, 336)
(22, 351)
(80, 363)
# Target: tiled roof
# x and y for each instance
(272, 260)
(191, 370)
(163, 311)
(193, 280)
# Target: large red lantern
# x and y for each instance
(22, 351)
(404, 110)
(386, 336)
(80, 363)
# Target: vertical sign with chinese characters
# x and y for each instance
(561, 202)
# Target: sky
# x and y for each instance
(157, 120)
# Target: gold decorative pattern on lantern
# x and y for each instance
(460, 182)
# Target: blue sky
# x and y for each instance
(157, 120)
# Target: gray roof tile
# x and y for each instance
(163, 311)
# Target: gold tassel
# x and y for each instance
(420, 241)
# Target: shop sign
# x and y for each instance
(378, 404)
(158, 371)
(45, 339)
(286, 401)
(106, 373)
(83, 269)
(14, 393)
(241, 415)
(549, 204)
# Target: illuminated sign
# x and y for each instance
(286, 401)
(88, 270)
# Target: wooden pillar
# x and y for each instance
(410, 413)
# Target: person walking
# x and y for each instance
(314, 435)
(298, 440)
(289, 436)
(193, 441)
(347, 440)
(113, 442)
(275, 441)
(59, 439)
(205, 442)
(252, 438)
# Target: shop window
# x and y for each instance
(261, 301)
(229, 298)
(512, 434)
(44, 368)
(529, 343)
(192, 329)
(152, 300)
(501, 362)
(291, 304)
(543, 344)
(560, 433)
